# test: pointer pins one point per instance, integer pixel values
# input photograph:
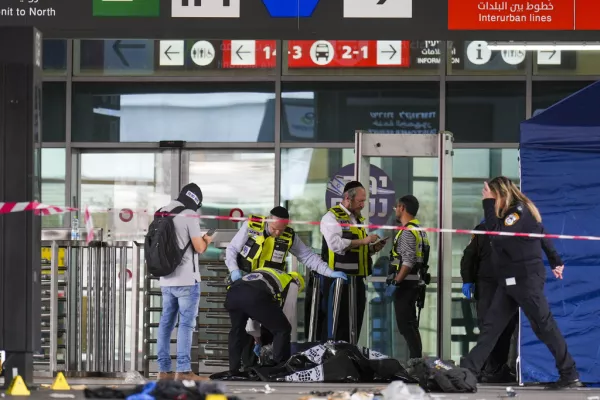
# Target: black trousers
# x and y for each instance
(405, 306)
(485, 289)
(527, 293)
(325, 314)
(245, 300)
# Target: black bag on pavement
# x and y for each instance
(161, 250)
(435, 375)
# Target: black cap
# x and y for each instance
(352, 185)
(191, 196)
(280, 212)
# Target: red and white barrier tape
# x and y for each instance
(47, 210)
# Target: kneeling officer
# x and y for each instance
(260, 295)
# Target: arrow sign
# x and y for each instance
(290, 8)
(549, 57)
(168, 52)
(389, 52)
(392, 50)
(118, 47)
(380, 2)
(239, 52)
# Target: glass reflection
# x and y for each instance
(53, 184)
(106, 115)
(233, 179)
(113, 182)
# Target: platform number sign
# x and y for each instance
(205, 8)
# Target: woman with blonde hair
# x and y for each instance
(521, 277)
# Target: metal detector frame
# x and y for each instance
(439, 145)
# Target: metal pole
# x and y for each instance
(97, 290)
(135, 277)
(337, 297)
(80, 266)
(89, 307)
(53, 307)
(112, 309)
(122, 307)
(352, 309)
(314, 308)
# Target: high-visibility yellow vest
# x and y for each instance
(422, 251)
(276, 281)
(356, 260)
(260, 251)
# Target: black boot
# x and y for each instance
(565, 383)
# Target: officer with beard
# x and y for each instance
(345, 249)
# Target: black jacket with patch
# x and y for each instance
(476, 262)
(514, 256)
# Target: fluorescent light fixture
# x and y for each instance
(544, 46)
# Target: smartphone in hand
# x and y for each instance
(381, 240)
(210, 232)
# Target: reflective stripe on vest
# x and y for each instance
(276, 281)
(421, 239)
(259, 252)
(356, 260)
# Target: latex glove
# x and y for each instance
(468, 289)
(389, 291)
(257, 349)
(235, 275)
(339, 274)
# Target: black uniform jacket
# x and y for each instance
(508, 256)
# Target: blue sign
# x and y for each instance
(129, 55)
(290, 8)
(382, 195)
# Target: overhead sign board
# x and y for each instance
(348, 53)
(308, 19)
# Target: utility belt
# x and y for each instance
(419, 273)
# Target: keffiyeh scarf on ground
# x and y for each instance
(329, 362)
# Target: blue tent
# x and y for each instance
(560, 172)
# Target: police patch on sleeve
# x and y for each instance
(511, 219)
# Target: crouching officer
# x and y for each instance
(260, 295)
(408, 274)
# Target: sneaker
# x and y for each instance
(565, 383)
(190, 376)
(165, 376)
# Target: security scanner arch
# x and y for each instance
(368, 145)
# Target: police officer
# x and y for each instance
(259, 295)
(345, 249)
(521, 278)
(476, 266)
(407, 275)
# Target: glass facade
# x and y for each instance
(277, 132)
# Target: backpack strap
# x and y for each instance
(172, 214)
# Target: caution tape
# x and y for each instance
(46, 210)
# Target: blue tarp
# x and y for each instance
(560, 172)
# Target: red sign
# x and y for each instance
(522, 15)
(126, 215)
(348, 54)
(236, 213)
(248, 53)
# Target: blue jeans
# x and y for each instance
(177, 301)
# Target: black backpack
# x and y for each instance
(161, 250)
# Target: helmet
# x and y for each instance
(298, 278)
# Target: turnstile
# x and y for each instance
(209, 348)
(89, 306)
